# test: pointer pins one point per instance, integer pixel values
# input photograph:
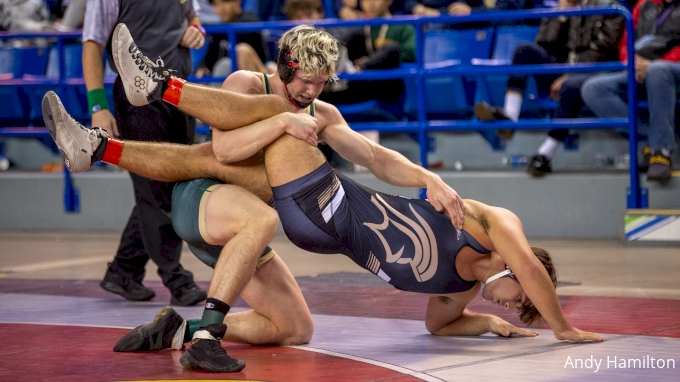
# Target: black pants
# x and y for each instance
(570, 103)
(149, 232)
(532, 54)
(387, 57)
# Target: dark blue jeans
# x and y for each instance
(532, 54)
(570, 102)
(607, 95)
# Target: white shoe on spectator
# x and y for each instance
(77, 144)
(142, 79)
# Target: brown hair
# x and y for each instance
(529, 314)
(292, 6)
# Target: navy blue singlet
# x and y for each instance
(404, 241)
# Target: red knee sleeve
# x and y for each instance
(113, 151)
(174, 90)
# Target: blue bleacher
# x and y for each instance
(492, 88)
(451, 96)
(22, 61)
(15, 63)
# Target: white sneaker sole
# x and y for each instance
(53, 114)
(120, 33)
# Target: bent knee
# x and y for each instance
(265, 218)
(301, 334)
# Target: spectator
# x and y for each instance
(658, 40)
(462, 7)
(24, 16)
(249, 49)
(351, 9)
(302, 10)
(440, 7)
(570, 102)
(559, 40)
(207, 14)
(383, 47)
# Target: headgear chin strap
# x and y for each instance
(287, 64)
(296, 103)
(506, 272)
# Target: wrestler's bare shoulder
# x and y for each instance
(244, 81)
(327, 114)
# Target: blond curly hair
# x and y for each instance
(315, 50)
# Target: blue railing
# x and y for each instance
(422, 126)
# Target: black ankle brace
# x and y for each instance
(98, 154)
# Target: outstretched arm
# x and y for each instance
(390, 166)
(507, 237)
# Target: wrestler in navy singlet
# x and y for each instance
(404, 241)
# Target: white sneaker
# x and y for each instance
(141, 77)
(76, 143)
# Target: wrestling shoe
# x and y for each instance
(486, 112)
(206, 352)
(142, 79)
(77, 144)
(157, 335)
(188, 295)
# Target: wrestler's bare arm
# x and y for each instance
(235, 145)
(507, 238)
(388, 165)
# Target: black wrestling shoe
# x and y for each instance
(188, 295)
(126, 286)
(486, 112)
(206, 352)
(539, 165)
(157, 335)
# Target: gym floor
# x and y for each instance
(57, 324)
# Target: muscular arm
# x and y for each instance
(388, 165)
(506, 234)
(507, 237)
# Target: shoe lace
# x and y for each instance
(216, 348)
(92, 135)
(156, 71)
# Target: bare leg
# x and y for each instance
(244, 225)
(173, 162)
(227, 110)
(279, 316)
